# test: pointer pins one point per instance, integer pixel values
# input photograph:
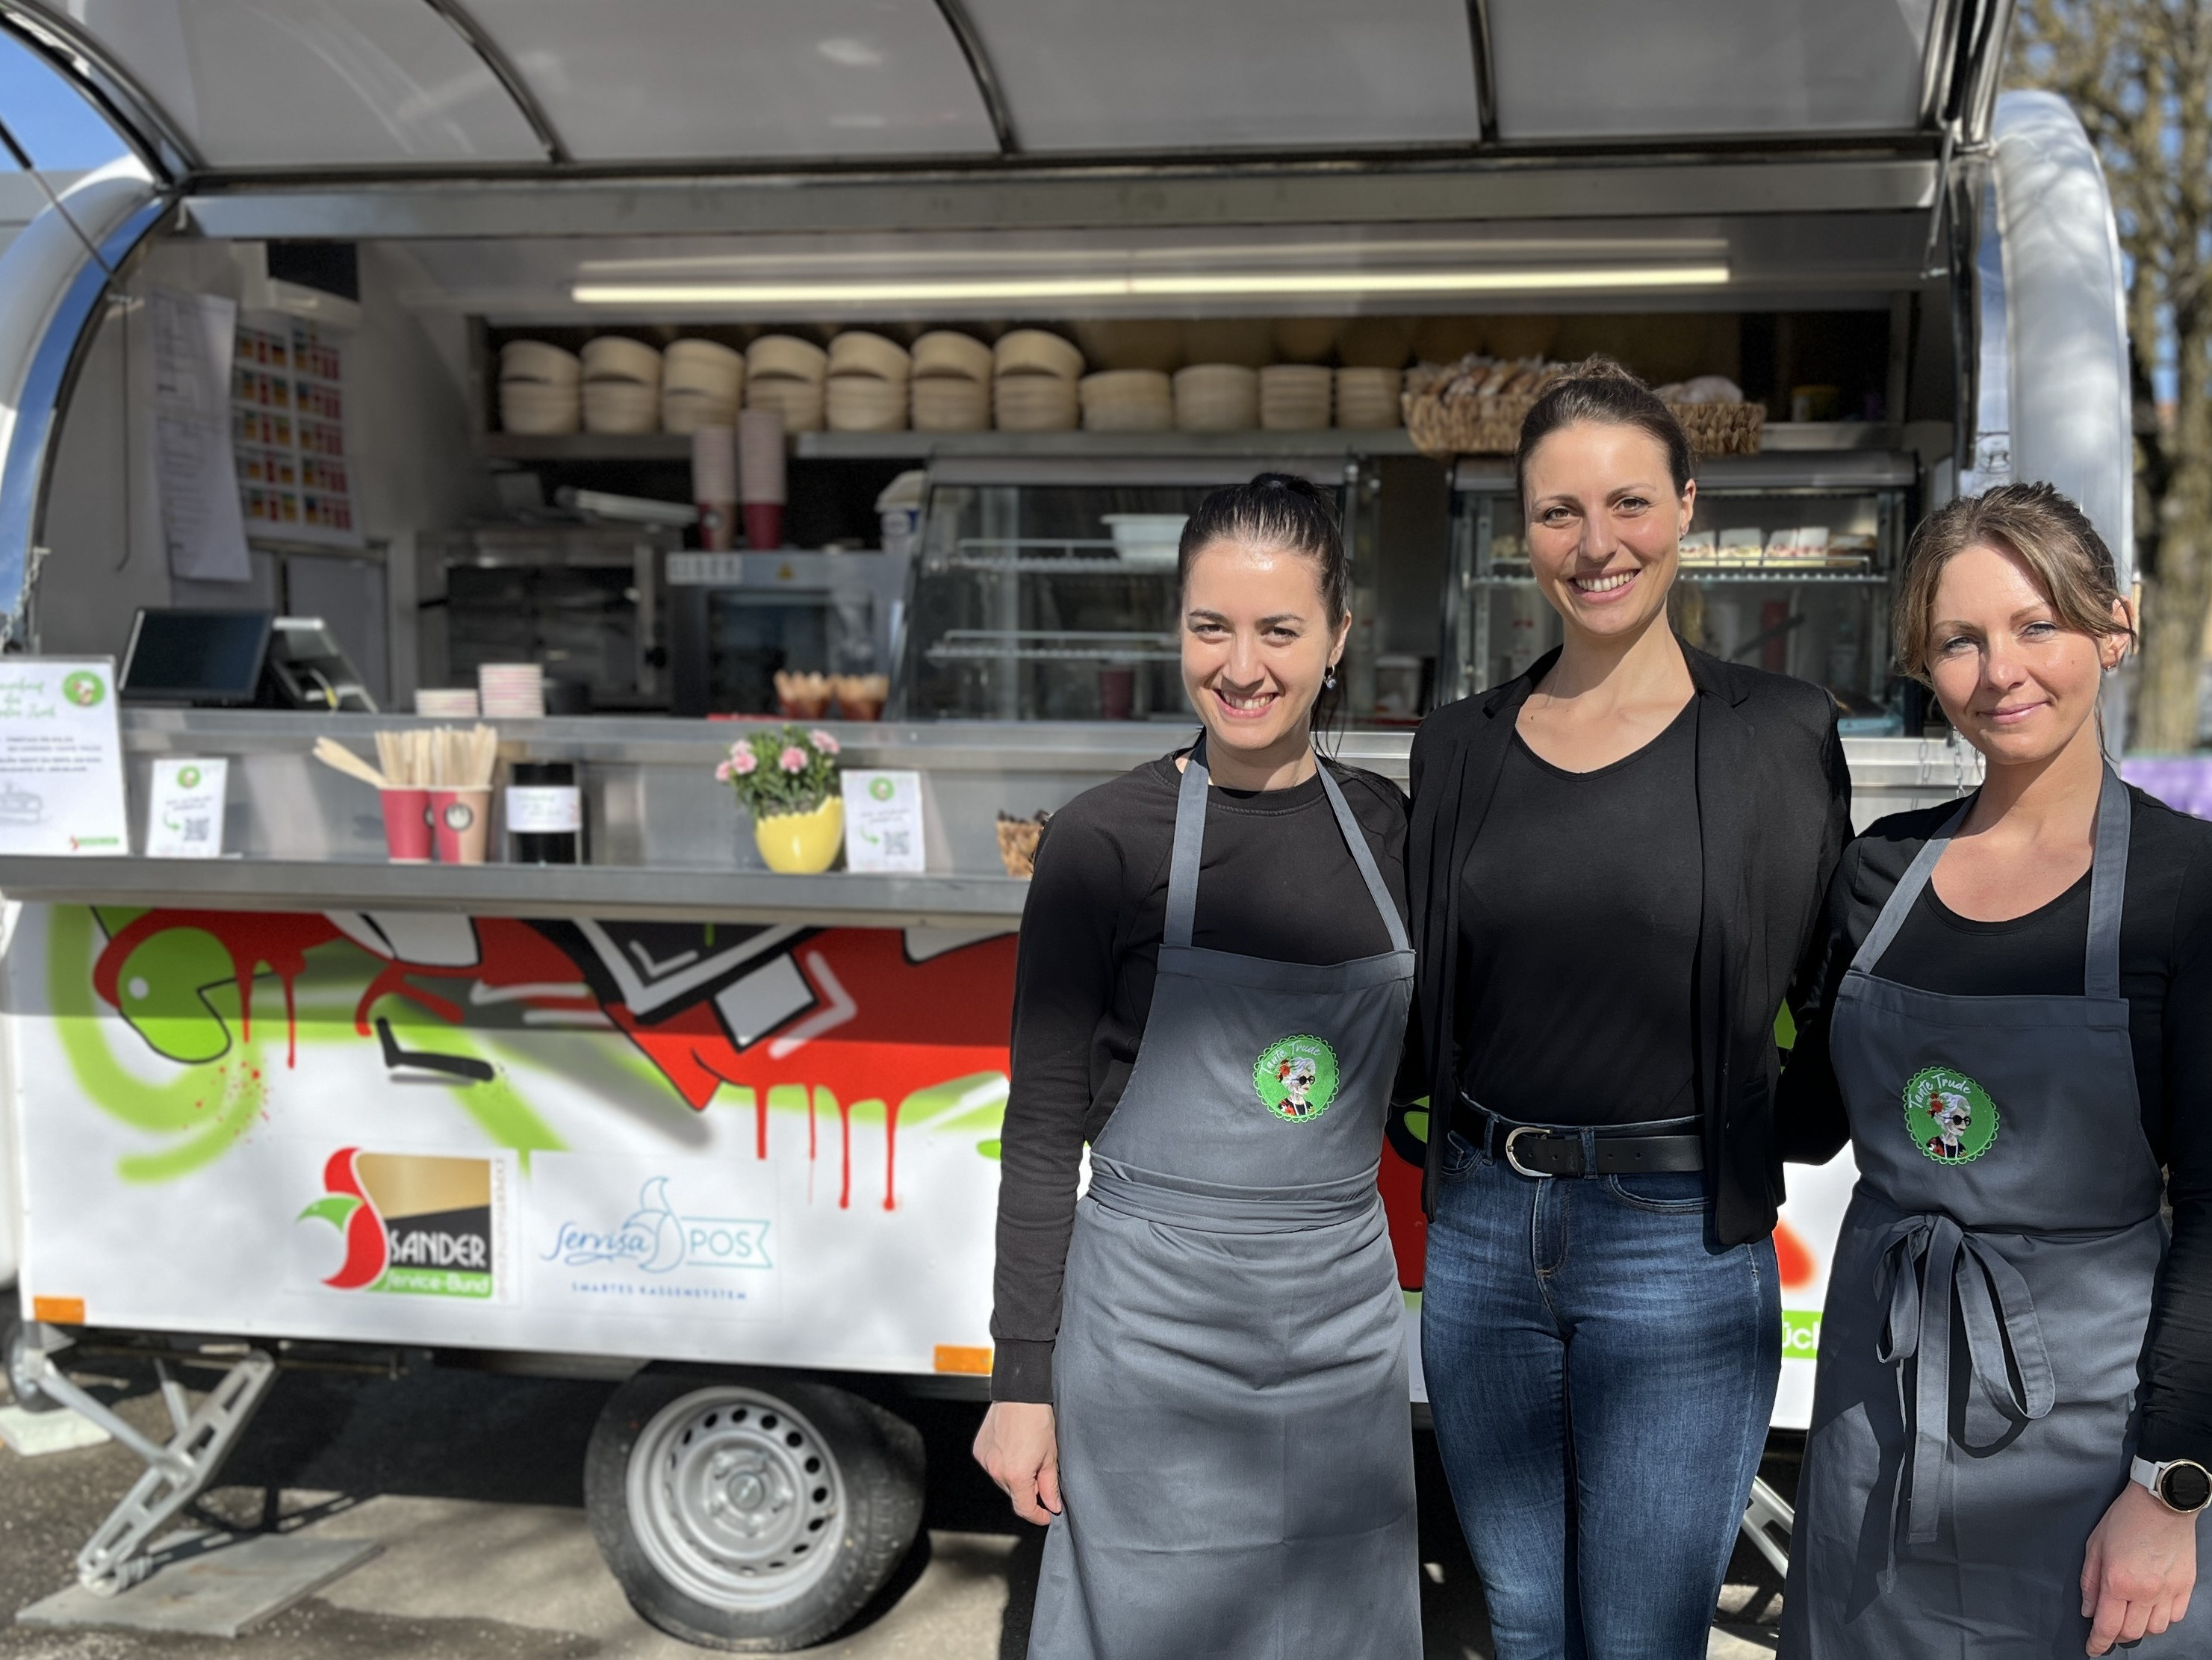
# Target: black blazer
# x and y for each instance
(1774, 800)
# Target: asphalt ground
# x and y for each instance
(473, 1485)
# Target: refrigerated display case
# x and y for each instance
(1045, 589)
(1788, 564)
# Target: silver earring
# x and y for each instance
(1328, 680)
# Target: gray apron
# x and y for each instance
(1973, 1415)
(1235, 1444)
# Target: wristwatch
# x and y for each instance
(2181, 1483)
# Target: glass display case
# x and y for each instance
(1789, 565)
(1044, 589)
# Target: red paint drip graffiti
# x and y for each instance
(252, 940)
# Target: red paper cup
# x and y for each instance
(460, 824)
(407, 825)
(764, 525)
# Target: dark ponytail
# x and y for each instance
(1598, 391)
(1279, 510)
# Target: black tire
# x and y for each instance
(750, 1511)
(28, 1395)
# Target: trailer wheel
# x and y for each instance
(750, 1511)
(15, 1354)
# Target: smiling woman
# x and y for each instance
(2021, 1107)
(1614, 860)
(1200, 1377)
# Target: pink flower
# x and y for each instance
(722, 773)
(793, 759)
(822, 741)
(742, 762)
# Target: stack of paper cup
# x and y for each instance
(512, 692)
(621, 386)
(540, 387)
(760, 477)
(1294, 397)
(1217, 397)
(701, 381)
(1033, 387)
(714, 486)
(1367, 398)
(447, 703)
(785, 374)
(952, 383)
(1126, 400)
(868, 377)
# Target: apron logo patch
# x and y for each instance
(1950, 1117)
(1295, 1077)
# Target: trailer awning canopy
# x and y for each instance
(207, 87)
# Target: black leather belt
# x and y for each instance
(1533, 1151)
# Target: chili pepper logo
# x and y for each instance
(345, 1205)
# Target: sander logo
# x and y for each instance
(412, 1224)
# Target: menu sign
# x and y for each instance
(287, 423)
(61, 758)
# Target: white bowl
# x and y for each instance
(1034, 403)
(681, 411)
(532, 406)
(1146, 541)
(862, 403)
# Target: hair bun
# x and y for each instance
(1600, 366)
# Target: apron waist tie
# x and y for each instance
(1919, 1270)
(1217, 1207)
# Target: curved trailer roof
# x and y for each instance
(214, 88)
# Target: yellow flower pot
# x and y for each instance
(802, 843)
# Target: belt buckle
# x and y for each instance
(1513, 1159)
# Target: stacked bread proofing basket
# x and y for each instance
(785, 374)
(868, 377)
(700, 384)
(621, 386)
(1128, 400)
(540, 388)
(1033, 386)
(952, 383)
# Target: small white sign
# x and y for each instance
(61, 758)
(184, 810)
(883, 821)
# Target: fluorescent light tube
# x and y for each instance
(1144, 286)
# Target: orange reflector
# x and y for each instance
(952, 1357)
(62, 1310)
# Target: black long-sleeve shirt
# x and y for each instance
(2166, 975)
(1275, 880)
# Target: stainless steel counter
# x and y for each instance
(536, 891)
(666, 840)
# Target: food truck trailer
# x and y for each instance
(665, 1114)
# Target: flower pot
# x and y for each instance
(802, 843)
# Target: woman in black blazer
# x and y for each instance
(1613, 862)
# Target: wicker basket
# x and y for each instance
(1492, 426)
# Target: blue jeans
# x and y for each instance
(1602, 1375)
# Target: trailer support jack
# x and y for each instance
(178, 1471)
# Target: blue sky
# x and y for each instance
(57, 127)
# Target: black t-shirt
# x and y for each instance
(1578, 929)
(1275, 880)
(2166, 975)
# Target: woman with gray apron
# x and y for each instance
(2006, 1017)
(1200, 1375)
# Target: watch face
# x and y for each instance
(2186, 1487)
